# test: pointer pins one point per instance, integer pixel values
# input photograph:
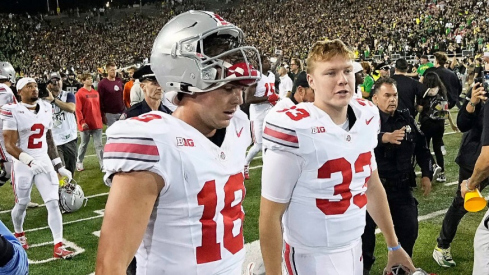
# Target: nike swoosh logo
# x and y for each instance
(368, 121)
(239, 133)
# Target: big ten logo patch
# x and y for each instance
(185, 142)
(318, 130)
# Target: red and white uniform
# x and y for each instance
(6, 97)
(323, 174)
(196, 227)
(32, 128)
(264, 87)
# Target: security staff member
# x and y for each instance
(153, 94)
(399, 141)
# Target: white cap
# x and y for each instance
(24, 81)
(357, 67)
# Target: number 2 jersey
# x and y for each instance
(32, 127)
(196, 227)
(326, 211)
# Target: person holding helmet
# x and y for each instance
(29, 139)
(177, 181)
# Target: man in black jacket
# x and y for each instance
(153, 94)
(409, 90)
(449, 78)
(399, 141)
(470, 122)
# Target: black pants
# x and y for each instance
(404, 211)
(455, 212)
(434, 129)
(67, 152)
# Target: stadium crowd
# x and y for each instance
(47, 49)
(36, 45)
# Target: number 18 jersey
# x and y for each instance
(196, 226)
(326, 212)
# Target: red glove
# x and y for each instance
(273, 99)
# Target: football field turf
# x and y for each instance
(81, 228)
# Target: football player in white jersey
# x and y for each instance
(7, 79)
(28, 139)
(177, 180)
(318, 163)
(262, 97)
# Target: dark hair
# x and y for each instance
(441, 58)
(432, 80)
(110, 64)
(401, 65)
(381, 81)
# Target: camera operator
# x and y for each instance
(64, 122)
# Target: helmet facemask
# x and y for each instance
(221, 58)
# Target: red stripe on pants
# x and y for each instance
(287, 259)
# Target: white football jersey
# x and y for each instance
(196, 227)
(32, 127)
(264, 87)
(6, 97)
(327, 206)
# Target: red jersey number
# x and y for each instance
(269, 89)
(35, 140)
(295, 113)
(210, 250)
(146, 117)
(330, 207)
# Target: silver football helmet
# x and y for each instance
(198, 51)
(71, 197)
(396, 270)
(7, 72)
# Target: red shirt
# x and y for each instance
(88, 109)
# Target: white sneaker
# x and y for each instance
(79, 166)
(443, 257)
(436, 170)
(32, 205)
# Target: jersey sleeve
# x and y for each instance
(48, 107)
(280, 173)
(132, 147)
(6, 96)
(6, 114)
(279, 133)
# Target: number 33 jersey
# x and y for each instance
(32, 127)
(327, 206)
(196, 226)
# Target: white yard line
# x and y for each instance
(77, 250)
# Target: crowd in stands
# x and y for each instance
(36, 45)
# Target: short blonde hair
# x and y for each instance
(325, 50)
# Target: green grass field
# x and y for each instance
(80, 227)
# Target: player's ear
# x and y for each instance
(310, 80)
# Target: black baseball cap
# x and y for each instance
(383, 66)
(144, 73)
(300, 80)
